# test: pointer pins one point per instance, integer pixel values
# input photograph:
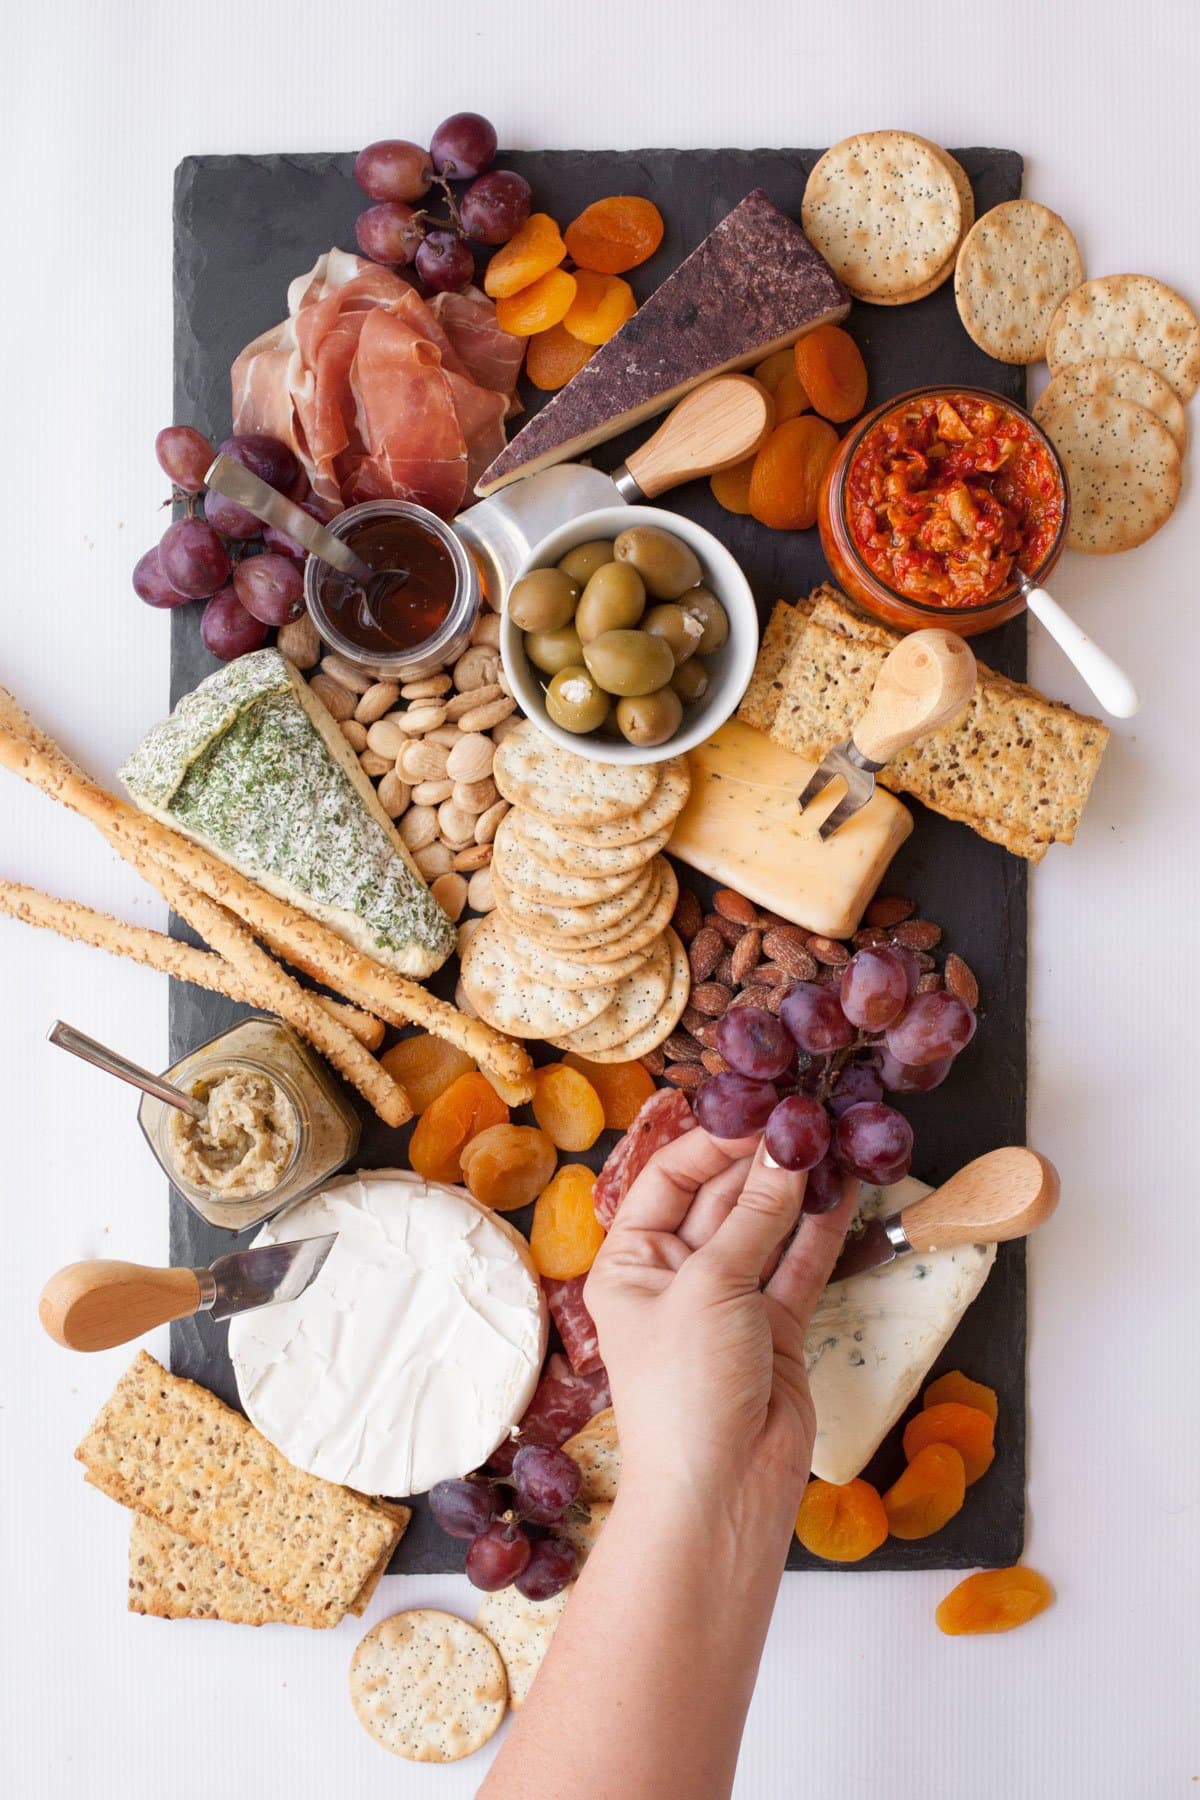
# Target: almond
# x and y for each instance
(918, 934)
(385, 738)
(432, 793)
(394, 794)
(773, 975)
(827, 950)
(930, 983)
(704, 953)
(734, 906)
(430, 687)
(379, 698)
(784, 944)
(345, 673)
(681, 1046)
(471, 758)
(728, 929)
(482, 718)
(960, 980)
(374, 765)
(724, 970)
(889, 909)
(339, 702)
(455, 827)
(472, 857)
(757, 994)
(486, 630)
(433, 860)
(687, 916)
(714, 1063)
(354, 734)
(684, 1075)
(300, 642)
(488, 823)
(421, 718)
(870, 936)
(458, 704)
(450, 892)
(501, 731)
(693, 1021)
(418, 827)
(474, 797)
(481, 897)
(745, 955)
(476, 667)
(418, 761)
(654, 1062)
(712, 998)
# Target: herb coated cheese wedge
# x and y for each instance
(251, 766)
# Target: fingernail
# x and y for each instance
(769, 1161)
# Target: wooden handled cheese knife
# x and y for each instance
(1005, 1194)
(95, 1305)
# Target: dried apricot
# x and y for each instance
(928, 1494)
(772, 369)
(788, 471)
(969, 1430)
(832, 372)
(554, 357)
(566, 1233)
(601, 306)
(535, 250)
(616, 234)
(543, 303)
(841, 1524)
(994, 1600)
(567, 1107)
(469, 1105)
(731, 487)
(623, 1088)
(425, 1066)
(960, 1387)
(777, 373)
(507, 1166)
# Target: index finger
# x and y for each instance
(660, 1197)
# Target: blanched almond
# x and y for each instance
(482, 718)
(488, 823)
(433, 860)
(474, 856)
(337, 700)
(421, 718)
(428, 688)
(432, 793)
(373, 765)
(418, 827)
(458, 704)
(354, 734)
(486, 630)
(457, 828)
(450, 892)
(394, 794)
(300, 642)
(501, 731)
(385, 738)
(338, 668)
(480, 897)
(379, 698)
(471, 758)
(476, 667)
(420, 761)
(474, 797)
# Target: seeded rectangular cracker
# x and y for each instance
(168, 1448)
(1017, 768)
(761, 698)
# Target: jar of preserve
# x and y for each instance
(420, 622)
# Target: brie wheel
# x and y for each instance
(413, 1353)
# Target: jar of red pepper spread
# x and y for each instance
(938, 504)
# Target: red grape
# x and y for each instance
(857, 1081)
(393, 169)
(545, 1483)
(463, 1508)
(900, 1078)
(193, 558)
(497, 1556)
(815, 1019)
(230, 519)
(463, 146)
(444, 263)
(932, 1026)
(184, 456)
(753, 1042)
(386, 232)
(152, 586)
(874, 988)
(551, 1565)
(912, 968)
(797, 1134)
(270, 587)
(279, 544)
(267, 457)
(733, 1106)
(228, 630)
(874, 1142)
(824, 1187)
(495, 207)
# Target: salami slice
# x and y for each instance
(576, 1327)
(664, 1117)
(562, 1404)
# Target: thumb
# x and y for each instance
(765, 1212)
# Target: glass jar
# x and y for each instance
(860, 582)
(428, 655)
(322, 1127)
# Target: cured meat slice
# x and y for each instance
(407, 418)
(490, 356)
(576, 1326)
(562, 1404)
(663, 1118)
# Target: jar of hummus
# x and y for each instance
(275, 1127)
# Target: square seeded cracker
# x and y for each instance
(1017, 768)
(761, 699)
(168, 1448)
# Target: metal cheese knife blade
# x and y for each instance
(1005, 1194)
(924, 683)
(95, 1305)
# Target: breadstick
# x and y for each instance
(155, 950)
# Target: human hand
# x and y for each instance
(706, 1359)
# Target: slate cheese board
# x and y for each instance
(244, 226)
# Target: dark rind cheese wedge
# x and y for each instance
(753, 286)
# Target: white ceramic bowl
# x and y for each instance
(729, 668)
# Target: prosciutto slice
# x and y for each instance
(562, 1404)
(490, 356)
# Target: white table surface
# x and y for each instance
(859, 1695)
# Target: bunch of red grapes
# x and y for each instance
(397, 175)
(501, 1553)
(813, 1079)
(251, 575)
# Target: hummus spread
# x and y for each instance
(246, 1140)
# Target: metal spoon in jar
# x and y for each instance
(101, 1057)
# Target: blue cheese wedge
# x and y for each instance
(874, 1338)
(253, 767)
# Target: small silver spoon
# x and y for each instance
(100, 1057)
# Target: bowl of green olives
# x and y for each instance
(629, 635)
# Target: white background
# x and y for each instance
(859, 1695)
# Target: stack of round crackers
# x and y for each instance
(579, 949)
(888, 211)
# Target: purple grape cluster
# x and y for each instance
(500, 1551)
(813, 1079)
(397, 175)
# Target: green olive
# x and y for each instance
(666, 565)
(679, 629)
(551, 651)
(582, 562)
(703, 604)
(650, 719)
(576, 701)
(613, 600)
(543, 600)
(690, 681)
(629, 662)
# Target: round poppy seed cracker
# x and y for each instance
(608, 942)
(1129, 315)
(1016, 264)
(883, 210)
(639, 1000)
(573, 921)
(547, 845)
(508, 999)
(663, 808)
(1123, 467)
(517, 866)
(428, 1686)
(660, 1029)
(1123, 379)
(521, 1630)
(557, 968)
(531, 770)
